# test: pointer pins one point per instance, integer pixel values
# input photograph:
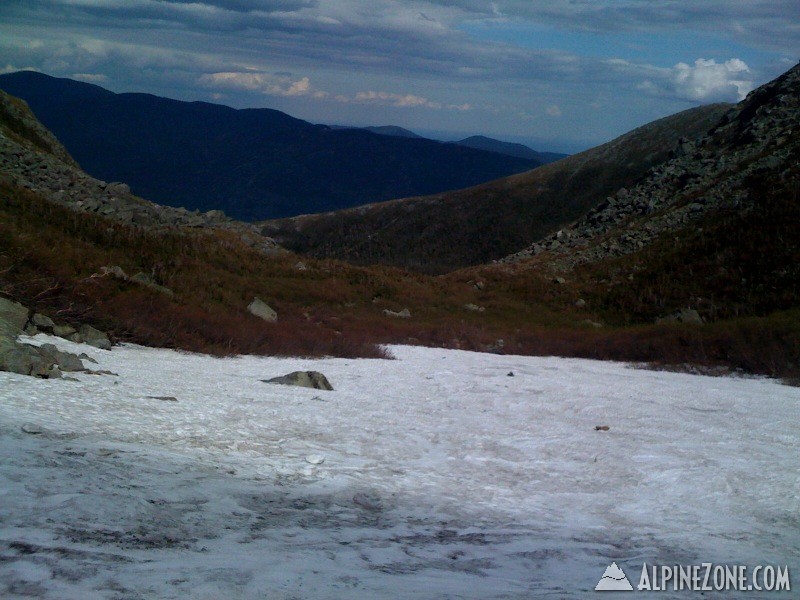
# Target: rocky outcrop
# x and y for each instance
(757, 137)
(31, 158)
(309, 379)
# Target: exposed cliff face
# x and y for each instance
(755, 142)
(32, 158)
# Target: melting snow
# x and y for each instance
(435, 475)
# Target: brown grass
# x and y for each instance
(48, 255)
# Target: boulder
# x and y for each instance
(43, 323)
(63, 331)
(66, 361)
(474, 307)
(309, 379)
(13, 317)
(684, 315)
(262, 310)
(93, 337)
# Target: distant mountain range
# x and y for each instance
(253, 164)
(481, 142)
(478, 142)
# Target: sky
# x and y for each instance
(559, 75)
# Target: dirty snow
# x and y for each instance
(435, 475)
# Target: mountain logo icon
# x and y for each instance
(613, 580)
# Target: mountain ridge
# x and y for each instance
(250, 163)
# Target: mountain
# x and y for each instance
(396, 131)
(481, 142)
(473, 226)
(252, 164)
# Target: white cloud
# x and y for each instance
(90, 77)
(397, 100)
(707, 80)
(704, 81)
(267, 83)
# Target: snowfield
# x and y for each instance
(435, 475)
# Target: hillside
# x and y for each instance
(715, 229)
(477, 225)
(251, 164)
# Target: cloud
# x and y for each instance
(704, 81)
(396, 100)
(90, 77)
(553, 110)
(266, 83)
(708, 81)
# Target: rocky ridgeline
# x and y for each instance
(760, 136)
(32, 158)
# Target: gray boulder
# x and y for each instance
(309, 379)
(262, 310)
(13, 317)
(63, 331)
(66, 361)
(43, 323)
(94, 337)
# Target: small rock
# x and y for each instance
(474, 307)
(559, 280)
(309, 379)
(510, 374)
(366, 501)
(403, 314)
(684, 315)
(164, 398)
(580, 303)
(315, 459)
(32, 428)
(601, 427)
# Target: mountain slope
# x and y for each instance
(715, 229)
(487, 222)
(253, 164)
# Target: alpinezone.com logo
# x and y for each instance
(705, 577)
